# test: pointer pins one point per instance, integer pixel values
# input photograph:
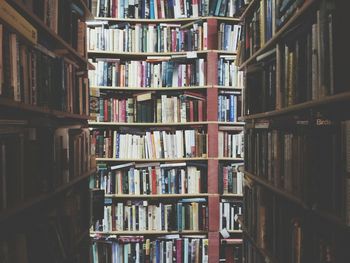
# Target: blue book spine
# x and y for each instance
(117, 145)
(163, 181)
(101, 104)
(232, 108)
(151, 7)
(219, 108)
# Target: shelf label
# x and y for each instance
(191, 54)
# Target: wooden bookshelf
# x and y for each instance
(29, 204)
(299, 14)
(158, 196)
(326, 101)
(283, 193)
(213, 126)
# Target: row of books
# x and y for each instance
(160, 9)
(280, 157)
(139, 250)
(148, 38)
(306, 60)
(35, 160)
(231, 145)
(228, 74)
(229, 36)
(261, 99)
(231, 178)
(147, 107)
(65, 18)
(229, 106)
(149, 179)
(285, 239)
(51, 237)
(36, 76)
(149, 145)
(231, 250)
(149, 73)
(186, 214)
(295, 235)
(229, 210)
(286, 9)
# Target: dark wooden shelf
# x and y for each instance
(283, 193)
(14, 105)
(341, 97)
(14, 211)
(289, 24)
(60, 43)
(267, 256)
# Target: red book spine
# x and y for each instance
(191, 111)
(229, 254)
(225, 180)
(123, 111)
(154, 181)
(105, 110)
(179, 250)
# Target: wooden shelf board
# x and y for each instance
(269, 44)
(335, 220)
(152, 160)
(341, 97)
(227, 88)
(281, 192)
(95, 123)
(9, 213)
(145, 54)
(231, 123)
(148, 232)
(152, 124)
(228, 159)
(163, 88)
(267, 256)
(248, 9)
(231, 196)
(87, 12)
(157, 196)
(235, 231)
(41, 26)
(148, 89)
(231, 241)
(168, 20)
(5, 102)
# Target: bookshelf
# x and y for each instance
(45, 155)
(200, 81)
(296, 203)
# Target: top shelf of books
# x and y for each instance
(168, 10)
(271, 24)
(58, 25)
